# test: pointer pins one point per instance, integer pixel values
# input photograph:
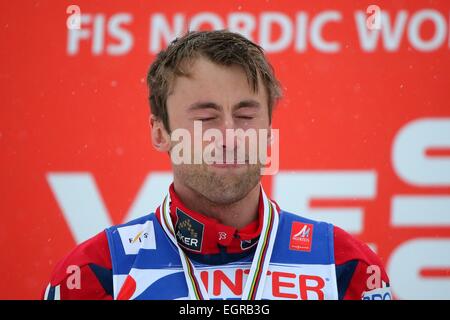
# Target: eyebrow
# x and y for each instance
(249, 103)
(204, 105)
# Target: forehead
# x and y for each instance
(205, 80)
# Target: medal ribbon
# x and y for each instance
(254, 286)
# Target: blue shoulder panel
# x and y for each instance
(322, 244)
(161, 255)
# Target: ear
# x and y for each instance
(160, 136)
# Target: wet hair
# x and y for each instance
(221, 47)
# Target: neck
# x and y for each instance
(237, 214)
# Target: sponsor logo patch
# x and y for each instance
(189, 232)
(136, 237)
(301, 236)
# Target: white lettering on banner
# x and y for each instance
(420, 211)
(245, 23)
(74, 36)
(412, 165)
(307, 28)
(301, 36)
(295, 189)
(409, 152)
(98, 30)
(297, 30)
(414, 30)
(406, 263)
(80, 201)
(317, 24)
(242, 23)
(99, 34)
(268, 19)
(161, 32)
(391, 35)
(125, 40)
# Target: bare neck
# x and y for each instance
(237, 214)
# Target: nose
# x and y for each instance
(230, 141)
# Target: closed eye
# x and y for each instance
(207, 119)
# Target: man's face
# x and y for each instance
(221, 98)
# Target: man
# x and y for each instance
(216, 234)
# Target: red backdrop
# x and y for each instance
(364, 124)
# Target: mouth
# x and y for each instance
(229, 165)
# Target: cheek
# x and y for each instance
(177, 122)
(261, 121)
(176, 116)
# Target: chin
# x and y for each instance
(220, 185)
(226, 196)
(229, 188)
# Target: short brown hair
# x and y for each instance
(222, 47)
